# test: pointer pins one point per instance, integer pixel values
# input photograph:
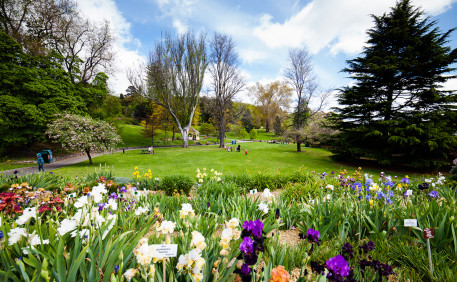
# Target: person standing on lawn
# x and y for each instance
(40, 162)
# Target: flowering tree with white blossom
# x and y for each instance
(83, 134)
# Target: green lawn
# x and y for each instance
(11, 165)
(261, 156)
(131, 137)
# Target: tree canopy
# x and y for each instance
(83, 134)
(397, 110)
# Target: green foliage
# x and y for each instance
(253, 134)
(176, 183)
(32, 90)
(396, 112)
(243, 134)
(228, 189)
(207, 129)
(299, 192)
(277, 126)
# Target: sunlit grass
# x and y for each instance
(261, 156)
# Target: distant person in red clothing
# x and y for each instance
(246, 152)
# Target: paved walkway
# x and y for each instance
(60, 163)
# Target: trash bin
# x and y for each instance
(47, 156)
(233, 142)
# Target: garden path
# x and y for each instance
(55, 164)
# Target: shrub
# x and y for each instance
(253, 134)
(176, 183)
(299, 192)
(220, 189)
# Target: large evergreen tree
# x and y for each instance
(397, 112)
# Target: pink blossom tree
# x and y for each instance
(83, 134)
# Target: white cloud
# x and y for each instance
(179, 11)
(179, 26)
(99, 10)
(334, 24)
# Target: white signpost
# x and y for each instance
(253, 191)
(409, 192)
(410, 222)
(165, 251)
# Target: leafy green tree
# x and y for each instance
(277, 126)
(253, 134)
(243, 133)
(83, 134)
(397, 111)
(207, 129)
(271, 99)
(32, 90)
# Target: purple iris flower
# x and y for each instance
(338, 266)
(405, 180)
(313, 236)
(348, 252)
(433, 194)
(357, 186)
(254, 226)
(113, 196)
(317, 267)
(245, 269)
(101, 206)
(423, 186)
(123, 190)
(367, 197)
(247, 245)
(368, 247)
(389, 184)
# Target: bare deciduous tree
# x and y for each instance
(226, 77)
(175, 77)
(44, 25)
(299, 75)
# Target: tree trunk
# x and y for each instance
(222, 132)
(298, 146)
(88, 155)
(185, 136)
(173, 137)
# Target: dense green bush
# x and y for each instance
(220, 189)
(176, 183)
(299, 192)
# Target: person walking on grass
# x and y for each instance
(246, 152)
(40, 162)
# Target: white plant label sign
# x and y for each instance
(253, 191)
(165, 251)
(409, 192)
(410, 222)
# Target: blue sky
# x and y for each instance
(333, 31)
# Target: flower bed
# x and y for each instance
(349, 227)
